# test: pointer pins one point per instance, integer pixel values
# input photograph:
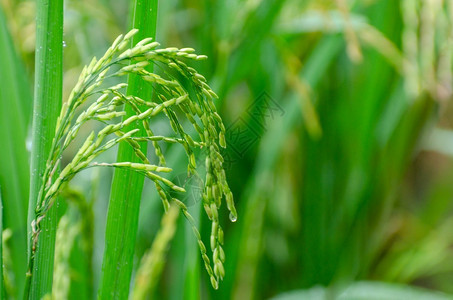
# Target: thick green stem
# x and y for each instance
(127, 186)
(47, 105)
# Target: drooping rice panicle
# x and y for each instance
(173, 101)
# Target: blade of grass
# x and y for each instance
(2, 288)
(15, 103)
(47, 105)
(127, 186)
(21, 83)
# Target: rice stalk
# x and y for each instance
(122, 216)
(46, 107)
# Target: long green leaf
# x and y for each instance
(47, 105)
(15, 104)
(127, 186)
(2, 286)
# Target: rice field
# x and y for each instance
(238, 149)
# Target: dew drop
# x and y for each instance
(64, 44)
(233, 218)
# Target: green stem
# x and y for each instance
(47, 106)
(2, 287)
(127, 186)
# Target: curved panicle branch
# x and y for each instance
(182, 91)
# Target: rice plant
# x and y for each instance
(182, 91)
(109, 106)
(335, 115)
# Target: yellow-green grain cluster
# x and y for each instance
(107, 107)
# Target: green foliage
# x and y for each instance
(15, 104)
(337, 125)
(120, 241)
(108, 106)
(46, 107)
(2, 286)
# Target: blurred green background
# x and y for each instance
(339, 145)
